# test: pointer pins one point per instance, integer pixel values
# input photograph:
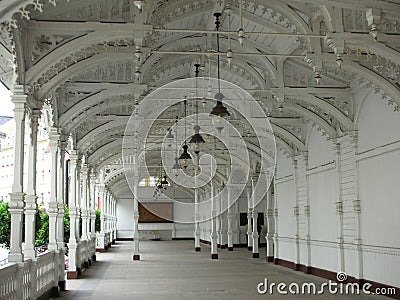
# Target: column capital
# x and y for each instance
(84, 169)
(19, 97)
(74, 157)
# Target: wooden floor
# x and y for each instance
(172, 270)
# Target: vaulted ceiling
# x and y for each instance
(94, 61)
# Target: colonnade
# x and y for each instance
(73, 184)
(222, 229)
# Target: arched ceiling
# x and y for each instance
(95, 60)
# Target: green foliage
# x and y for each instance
(42, 228)
(97, 221)
(66, 225)
(5, 224)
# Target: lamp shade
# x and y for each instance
(185, 157)
(197, 140)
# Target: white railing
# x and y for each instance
(46, 272)
(8, 281)
(29, 279)
(28, 284)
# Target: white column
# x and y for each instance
(276, 236)
(103, 194)
(30, 198)
(249, 219)
(84, 201)
(16, 205)
(93, 213)
(61, 195)
(230, 219)
(214, 235)
(136, 236)
(115, 219)
(113, 236)
(219, 219)
(197, 246)
(269, 214)
(53, 206)
(73, 213)
(236, 223)
(254, 215)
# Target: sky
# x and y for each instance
(6, 106)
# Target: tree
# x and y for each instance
(97, 221)
(5, 224)
(66, 225)
(42, 228)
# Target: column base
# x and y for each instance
(223, 246)
(101, 250)
(214, 256)
(269, 259)
(62, 285)
(250, 248)
(218, 245)
(230, 248)
(94, 257)
(72, 275)
(256, 255)
(136, 257)
(197, 249)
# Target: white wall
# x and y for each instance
(379, 189)
(322, 196)
(124, 217)
(285, 201)
(369, 164)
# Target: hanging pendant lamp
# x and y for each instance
(197, 140)
(185, 157)
(219, 111)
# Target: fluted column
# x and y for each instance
(53, 206)
(16, 205)
(136, 236)
(249, 218)
(30, 198)
(73, 213)
(230, 219)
